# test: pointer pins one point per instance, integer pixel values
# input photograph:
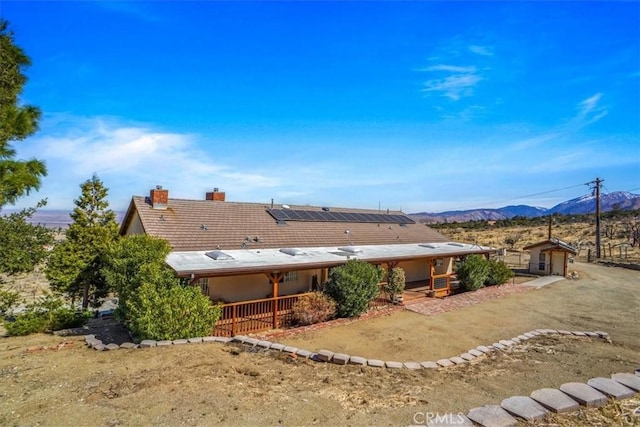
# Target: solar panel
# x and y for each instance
(328, 216)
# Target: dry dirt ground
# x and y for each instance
(215, 384)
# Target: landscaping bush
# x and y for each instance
(499, 273)
(353, 286)
(171, 312)
(395, 283)
(313, 308)
(46, 315)
(472, 272)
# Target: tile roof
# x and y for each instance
(199, 225)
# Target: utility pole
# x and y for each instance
(597, 183)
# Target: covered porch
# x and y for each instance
(252, 304)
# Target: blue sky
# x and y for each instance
(419, 106)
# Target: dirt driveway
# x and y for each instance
(210, 384)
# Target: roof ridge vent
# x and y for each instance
(350, 249)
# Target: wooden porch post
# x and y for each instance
(275, 279)
(432, 272)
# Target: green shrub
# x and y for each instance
(8, 299)
(499, 273)
(395, 283)
(26, 323)
(472, 272)
(46, 315)
(173, 312)
(353, 286)
(313, 308)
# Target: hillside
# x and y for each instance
(581, 205)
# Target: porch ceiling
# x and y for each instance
(246, 261)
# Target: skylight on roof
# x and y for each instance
(218, 255)
(460, 245)
(293, 251)
(428, 245)
(350, 249)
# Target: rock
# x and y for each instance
(222, 339)
(445, 363)
(467, 356)
(583, 394)
(628, 380)
(430, 365)
(554, 400)
(289, 349)
(375, 363)
(493, 416)
(181, 341)
(507, 343)
(611, 388)
(196, 340)
(251, 341)
(325, 355)
(393, 365)
(412, 365)
(264, 344)
(524, 407)
(277, 347)
(457, 360)
(128, 345)
(484, 349)
(340, 358)
(579, 333)
(475, 352)
(304, 353)
(163, 343)
(206, 340)
(357, 360)
(100, 347)
(592, 335)
(239, 338)
(563, 332)
(112, 346)
(499, 346)
(147, 343)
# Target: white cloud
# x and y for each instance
(454, 86)
(130, 160)
(481, 50)
(589, 110)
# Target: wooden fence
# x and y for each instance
(239, 318)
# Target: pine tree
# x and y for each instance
(75, 265)
(17, 177)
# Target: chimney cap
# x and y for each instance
(216, 189)
(158, 187)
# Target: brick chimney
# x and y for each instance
(216, 195)
(159, 197)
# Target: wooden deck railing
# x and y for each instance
(254, 316)
(247, 317)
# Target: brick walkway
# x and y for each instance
(432, 306)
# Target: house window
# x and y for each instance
(204, 285)
(291, 276)
(541, 261)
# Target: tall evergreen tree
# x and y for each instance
(75, 265)
(17, 177)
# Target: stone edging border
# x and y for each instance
(344, 359)
(569, 397)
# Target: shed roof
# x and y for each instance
(553, 244)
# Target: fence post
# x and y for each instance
(233, 320)
(275, 312)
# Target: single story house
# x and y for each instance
(550, 257)
(248, 255)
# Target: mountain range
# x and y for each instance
(581, 205)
